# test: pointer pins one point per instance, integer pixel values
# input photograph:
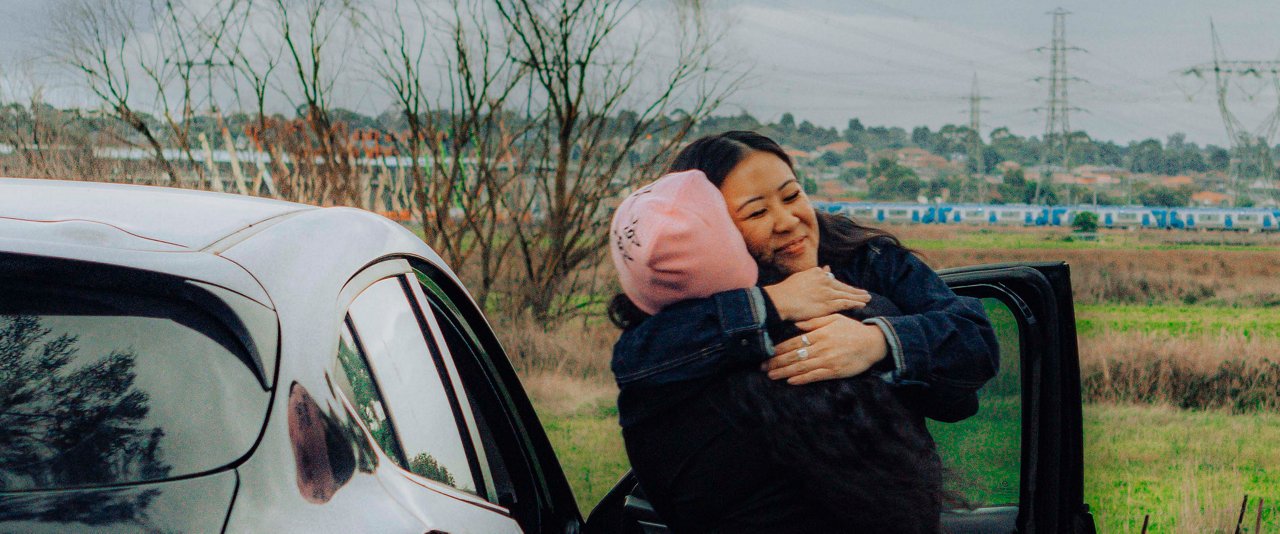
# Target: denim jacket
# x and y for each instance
(941, 348)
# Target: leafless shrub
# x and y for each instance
(1225, 371)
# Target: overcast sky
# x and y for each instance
(911, 62)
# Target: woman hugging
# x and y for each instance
(822, 431)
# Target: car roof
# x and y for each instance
(256, 247)
(166, 217)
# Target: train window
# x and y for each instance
(863, 212)
(1209, 217)
(973, 213)
(1246, 218)
(897, 213)
(1009, 214)
(1127, 217)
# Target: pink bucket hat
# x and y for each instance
(674, 240)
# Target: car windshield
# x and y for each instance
(101, 388)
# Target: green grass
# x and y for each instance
(982, 452)
(589, 446)
(1186, 469)
(1176, 320)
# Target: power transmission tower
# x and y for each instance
(975, 139)
(1250, 151)
(1057, 125)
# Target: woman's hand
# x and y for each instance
(834, 346)
(813, 293)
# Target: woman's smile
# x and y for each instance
(794, 247)
(772, 212)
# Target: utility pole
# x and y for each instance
(1250, 151)
(1057, 125)
(975, 139)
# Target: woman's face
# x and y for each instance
(772, 212)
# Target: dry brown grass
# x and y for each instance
(1223, 371)
(1238, 278)
(564, 368)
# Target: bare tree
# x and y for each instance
(459, 141)
(252, 57)
(97, 40)
(603, 122)
(305, 45)
(49, 143)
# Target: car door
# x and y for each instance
(403, 388)
(515, 459)
(1018, 462)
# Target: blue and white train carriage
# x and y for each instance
(1120, 217)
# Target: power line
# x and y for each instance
(1251, 151)
(1057, 122)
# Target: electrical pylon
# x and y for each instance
(1057, 124)
(1250, 151)
(975, 138)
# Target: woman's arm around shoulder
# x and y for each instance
(942, 341)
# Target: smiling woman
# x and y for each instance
(772, 212)
(855, 313)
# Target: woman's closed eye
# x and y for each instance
(792, 197)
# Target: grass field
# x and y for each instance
(1188, 470)
(1177, 320)
(1165, 319)
(941, 238)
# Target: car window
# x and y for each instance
(102, 388)
(356, 382)
(984, 453)
(508, 464)
(418, 400)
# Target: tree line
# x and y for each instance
(518, 118)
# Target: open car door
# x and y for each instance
(1019, 461)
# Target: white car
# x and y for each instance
(185, 361)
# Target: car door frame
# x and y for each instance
(1052, 478)
(557, 510)
(406, 486)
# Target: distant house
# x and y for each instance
(1177, 181)
(838, 147)
(1210, 199)
(831, 189)
(1008, 166)
(919, 158)
(798, 155)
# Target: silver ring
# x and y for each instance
(831, 275)
(805, 339)
(802, 354)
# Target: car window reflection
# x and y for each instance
(95, 394)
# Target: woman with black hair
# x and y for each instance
(719, 446)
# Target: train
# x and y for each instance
(1120, 217)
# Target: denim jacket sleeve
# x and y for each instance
(941, 349)
(695, 338)
(942, 344)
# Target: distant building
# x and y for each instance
(838, 147)
(1007, 166)
(798, 155)
(1210, 199)
(1177, 181)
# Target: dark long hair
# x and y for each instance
(716, 155)
(858, 453)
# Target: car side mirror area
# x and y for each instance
(625, 510)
